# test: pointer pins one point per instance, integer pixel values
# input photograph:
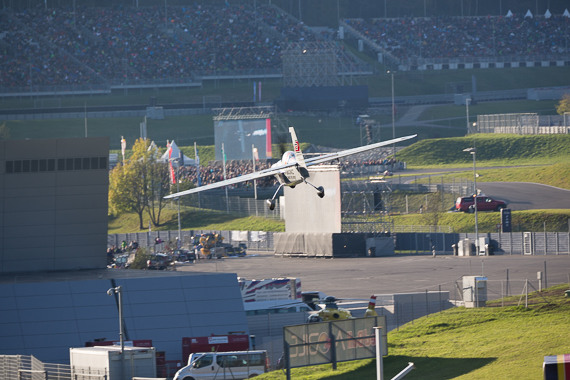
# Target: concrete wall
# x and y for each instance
(306, 212)
(53, 218)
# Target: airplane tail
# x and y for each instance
(297, 148)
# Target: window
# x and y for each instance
(43, 165)
(204, 361)
(77, 163)
(26, 166)
(86, 163)
(69, 164)
(35, 165)
(51, 164)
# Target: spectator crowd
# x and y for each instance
(454, 37)
(126, 45)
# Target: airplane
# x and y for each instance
(291, 170)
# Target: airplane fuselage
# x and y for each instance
(290, 176)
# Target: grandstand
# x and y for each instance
(44, 49)
(465, 42)
(84, 49)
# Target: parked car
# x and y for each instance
(121, 261)
(160, 261)
(484, 203)
(183, 255)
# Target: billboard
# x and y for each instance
(332, 342)
(240, 136)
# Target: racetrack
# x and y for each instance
(526, 195)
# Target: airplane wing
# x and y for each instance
(348, 152)
(280, 169)
(232, 181)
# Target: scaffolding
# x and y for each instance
(308, 64)
(366, 206)
(243, 113)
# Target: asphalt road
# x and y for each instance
(527, 196)
(518, 195)
(361, 277)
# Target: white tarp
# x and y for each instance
(173, 152)
(528, 14)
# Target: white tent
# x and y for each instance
(547, 14)
(173, 152)
(566, 13)
(528, 14)
(509, 13)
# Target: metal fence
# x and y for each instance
(514, 243)
(27, 367)
(522, 124)
(255, 240)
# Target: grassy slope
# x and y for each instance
(195, 219)
(486, 343)
(557, 175)
(491, 149)
(532, 220)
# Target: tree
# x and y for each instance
(563, 105)
(127, 192)
(158, 186)
(140, 184)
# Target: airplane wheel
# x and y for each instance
(321, 192)
(271, 204)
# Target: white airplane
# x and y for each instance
(291, 170)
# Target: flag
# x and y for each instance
(255, 154)
(197, 161)
(123, 146)
(172, 174)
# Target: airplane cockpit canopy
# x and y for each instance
(288, 158)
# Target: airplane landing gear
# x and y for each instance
(271, 204)
(320, 189)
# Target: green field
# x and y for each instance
(487, 343)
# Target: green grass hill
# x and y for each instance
(498, 149)
(493, 342)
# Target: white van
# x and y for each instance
(223, 365)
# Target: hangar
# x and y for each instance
(54, 280)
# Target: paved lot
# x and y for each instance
(361, 277)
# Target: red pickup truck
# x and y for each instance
(484, 203)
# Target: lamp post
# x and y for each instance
(467, 101)
(393, 114)
(473, 151)
(118, 290)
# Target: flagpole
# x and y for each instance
(254, 181)
(197, 163)
(224, 160)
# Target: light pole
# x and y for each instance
(473, 151)
(393, 115)
(467, 101)
(117, 290)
